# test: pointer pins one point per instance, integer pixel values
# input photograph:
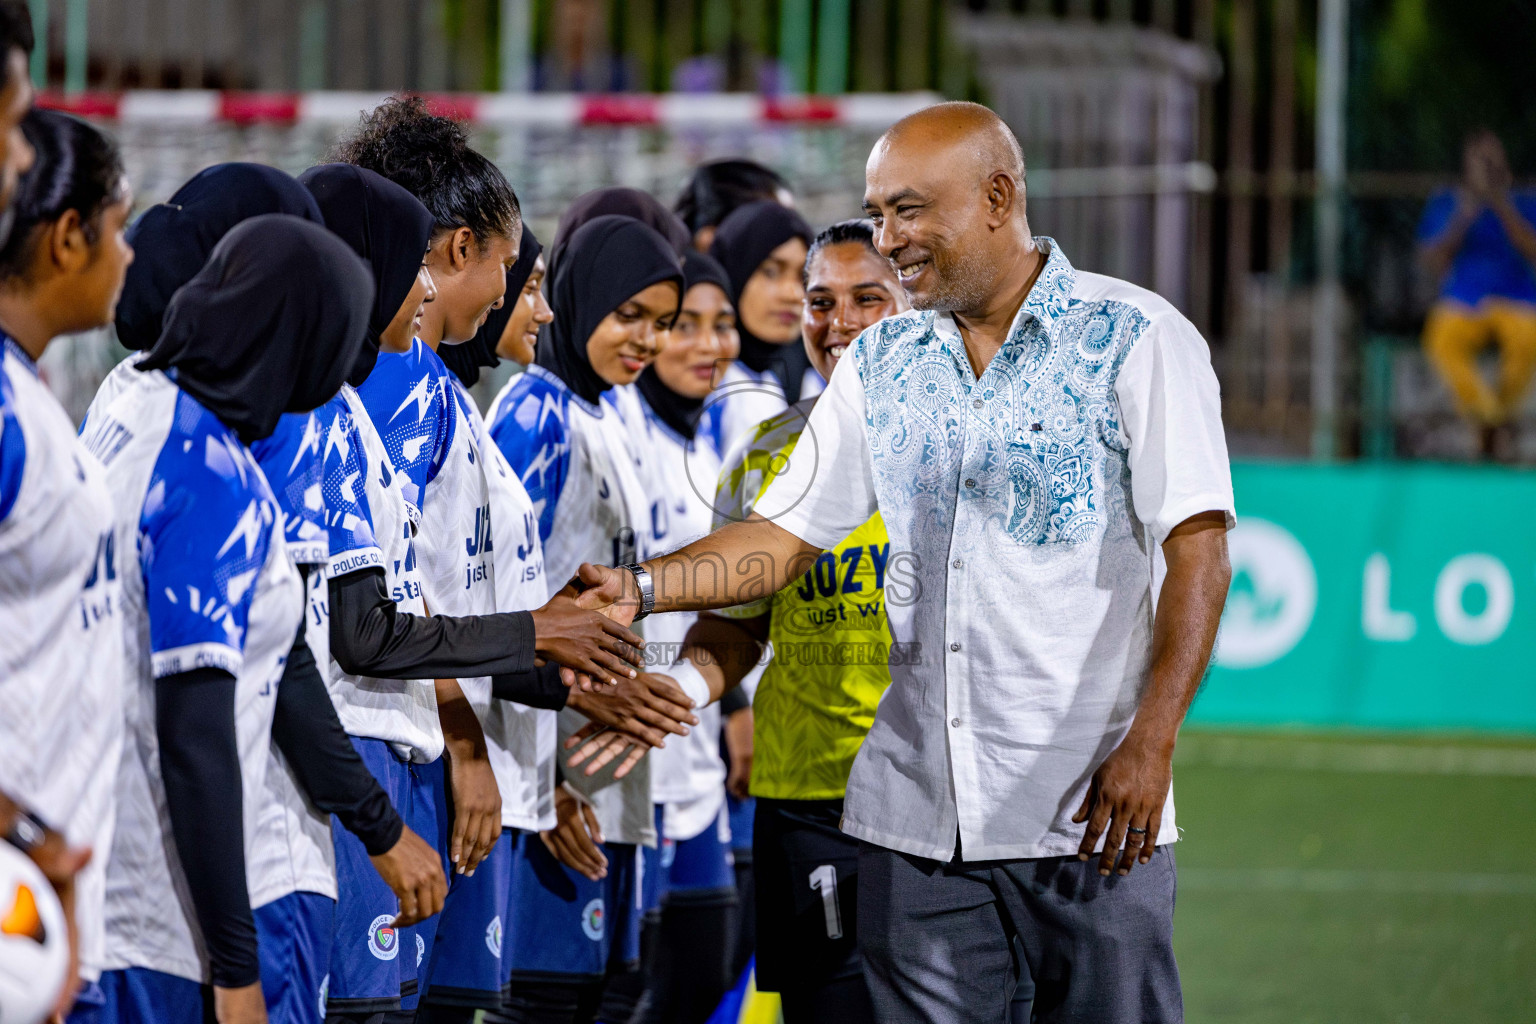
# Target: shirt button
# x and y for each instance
(959, 562)
(970, 483)
(954, 647)
(977, 402)
(954, 723)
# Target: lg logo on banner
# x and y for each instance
(1380, 621)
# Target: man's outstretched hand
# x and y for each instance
(605, 589)
(585, 641)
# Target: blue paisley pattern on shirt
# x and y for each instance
(1047, 430)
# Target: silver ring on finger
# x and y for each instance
(1136, 831)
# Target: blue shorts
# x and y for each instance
(466, 967)
(742, 812)
(566, 924)
(138, 995)
(294, 936)
(699, 868)
(373, 965)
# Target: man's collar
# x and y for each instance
(1046, 302)
(1051, 295)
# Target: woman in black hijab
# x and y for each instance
(501, 336)
(702, 343)
(621, 202)
(269, 325)
(390, 229)
(277, 294)
(173, 239)
(762, 247)
(619, 258)
(690, 947)
(615, 294)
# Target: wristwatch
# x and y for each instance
(647, 590)
(27, 833)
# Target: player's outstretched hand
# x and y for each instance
(243, 1005)
(414, 873)
(574, 839)
(598, 746)
(649, 707)
(586, 641)
(1125, 802)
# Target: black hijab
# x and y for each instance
(171, 241)
(270, 325)
(623, 202)
(385, 225)
(608, 261)
(467, 359)
(678, 411)
(742, 242)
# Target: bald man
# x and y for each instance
(1045, 445)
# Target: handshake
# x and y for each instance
(585, 630)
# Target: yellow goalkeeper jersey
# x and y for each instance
(817, 698)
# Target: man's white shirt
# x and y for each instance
(1026, 511)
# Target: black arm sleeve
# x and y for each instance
(324, 762)
(370, 636)
(200, 763)
(733, 700)
(540, 688)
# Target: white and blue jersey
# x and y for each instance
(746, 397)
(292, 849)
(290, 459)
(213, 588)
(370, 524)
(688, 774)
(526, 736)
(61, 648)
(410, 408)
(576, 463)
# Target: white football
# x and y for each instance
(34, 947)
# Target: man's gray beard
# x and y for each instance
(962, 289)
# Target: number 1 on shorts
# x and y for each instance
(824, 880)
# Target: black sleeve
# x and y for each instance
(540, 688)
(324, 762)
(733, 700)
(200, 763)
(370, 636)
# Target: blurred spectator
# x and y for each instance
(1479, 240)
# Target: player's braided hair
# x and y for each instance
(858, 230)
(430, 157)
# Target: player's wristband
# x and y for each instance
(691, 681)
(647, 589)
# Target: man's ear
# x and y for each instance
(1003, 198)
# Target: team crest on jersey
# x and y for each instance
(383, 940)
(421, 949)
(592, 920)
(493, 936)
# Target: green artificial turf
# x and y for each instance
(1356, 879)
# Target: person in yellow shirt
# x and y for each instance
(817, 698)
